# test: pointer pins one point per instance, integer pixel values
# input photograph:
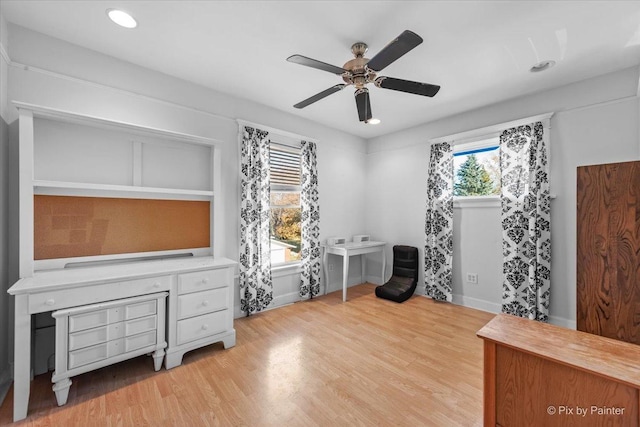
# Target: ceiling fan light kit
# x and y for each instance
(361, 71)
(122, 18)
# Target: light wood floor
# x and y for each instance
(322, 362)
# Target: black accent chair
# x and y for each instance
(405, 275)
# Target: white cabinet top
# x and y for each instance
(83, 276)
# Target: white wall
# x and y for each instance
(477, 249)
(596, 121)
(53, 73)
(4, 203)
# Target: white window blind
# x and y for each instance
(285, 166)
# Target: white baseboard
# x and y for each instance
(352, 281)
(374, 279)
(285, 299)
(5, 383)
(476, 303)
(493, 307)
(278, 301)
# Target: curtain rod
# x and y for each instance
(492, 130)
(275, 130)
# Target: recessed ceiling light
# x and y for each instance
(542, 65)
(122, 18)
(373, 121)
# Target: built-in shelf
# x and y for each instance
(98, 122)
(65, 153)
(61, 188)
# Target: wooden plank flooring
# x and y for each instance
(323, 362)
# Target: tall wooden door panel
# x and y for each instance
(608, 258)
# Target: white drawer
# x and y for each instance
(136, 326)
(92, 319)
(105, 316)
(140, 309)
(139, 341)
(152, 284)
(203, 280)
(203, 302)
(203, 326)
(54, 300)
(95, 336)
(95, 353)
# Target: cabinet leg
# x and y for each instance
(172, 360)
(22, 358)
(61, 388)
(230, 340)
(158, 357)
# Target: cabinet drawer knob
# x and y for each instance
(205, 303)
(156, 285)
(205, 280)
(50, 301)
(205, 327)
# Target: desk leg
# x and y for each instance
(22, 358)
(345, 276)
(325, 262)
(363, 262)
(384, 264)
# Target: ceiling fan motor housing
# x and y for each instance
(357, 73)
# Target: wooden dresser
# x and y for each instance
(536, 374)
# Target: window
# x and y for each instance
(285, 203)
(476, 168)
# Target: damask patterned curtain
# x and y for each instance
(438, 250)
(526, 237)
(256, 288)
(310, 221)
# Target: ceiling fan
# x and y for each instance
(360, 71)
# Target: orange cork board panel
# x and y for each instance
(66, 226)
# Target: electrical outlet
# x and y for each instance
(472, 278)
(330, 267)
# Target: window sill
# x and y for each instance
(287, 269)
(476, 202)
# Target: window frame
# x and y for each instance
(489, 201)
(280, 140)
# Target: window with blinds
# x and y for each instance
(284, 165)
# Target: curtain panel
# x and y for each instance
(310, 222)
(526, 236)
(256, 287)
(438, 251)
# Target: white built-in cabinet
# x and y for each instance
(67, 154)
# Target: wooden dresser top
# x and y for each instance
(598, 355)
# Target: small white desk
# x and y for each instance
(345, 251)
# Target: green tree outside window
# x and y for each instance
(472, 179)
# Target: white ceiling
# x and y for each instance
(480, 52)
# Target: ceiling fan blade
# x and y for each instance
(313, 63)
(394, 50)
(407, 86)
(363, 104)
(319, 96)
